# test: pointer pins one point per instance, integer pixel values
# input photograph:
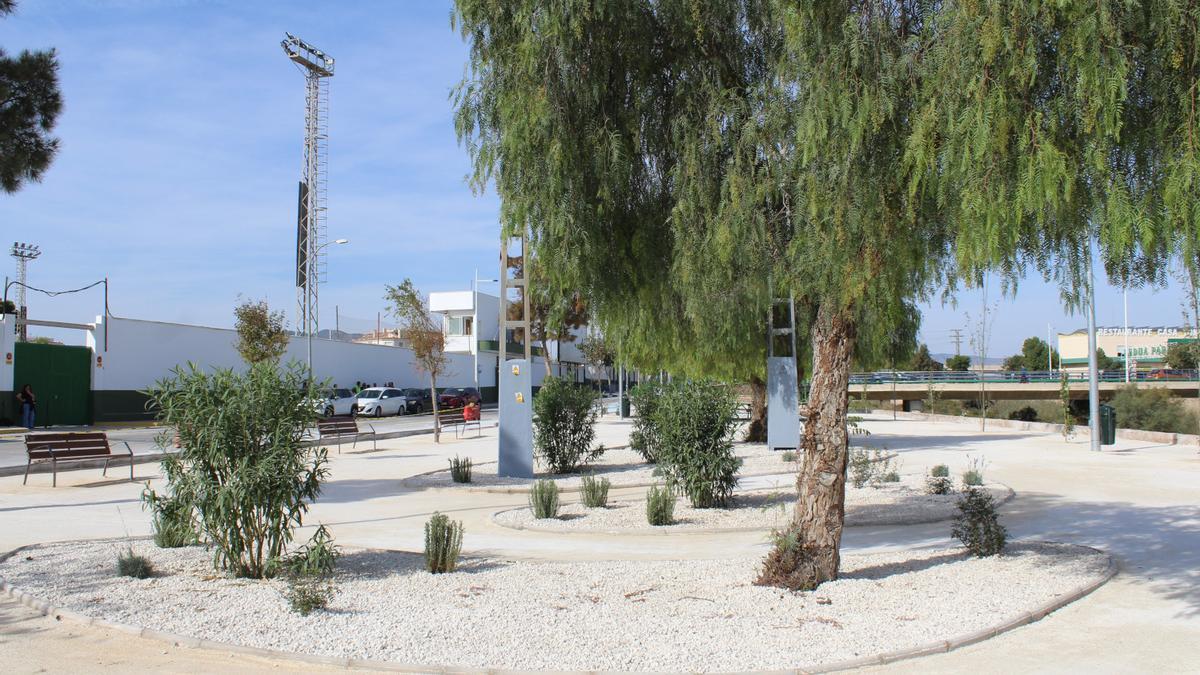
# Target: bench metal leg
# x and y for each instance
(54, 468)
(26, 472)
(130, 459)
(105, 471)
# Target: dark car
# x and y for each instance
(417, 400)
(457, 397)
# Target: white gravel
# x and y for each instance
(902, 503)
(623, 468)
(662, 616)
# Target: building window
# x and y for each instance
(458, 325)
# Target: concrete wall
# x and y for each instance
(137, 353)
(8, 402)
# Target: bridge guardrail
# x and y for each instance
(1018, 376)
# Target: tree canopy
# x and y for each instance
(261, 333)
(30, 103)
(1035, 355)
(923, 361)
(959, 362)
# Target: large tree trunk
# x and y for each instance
(807, 554)
(756, 432)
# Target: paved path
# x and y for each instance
(1138, 501)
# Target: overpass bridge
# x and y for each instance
(1002, 385)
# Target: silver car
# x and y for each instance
(337, 402)
(379, 401)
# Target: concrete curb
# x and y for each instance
(721, 530)
(936, 647)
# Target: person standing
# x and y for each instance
(28, 403)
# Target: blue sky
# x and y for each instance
(181, 149)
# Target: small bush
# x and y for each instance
(938, 485)
(130, 564)
(973, 476)
(317, 558)
(789, 456)
(564, 425)
(940, 471)
(696, 423)
(884, 469)
(859, 467)
(660, 506)
(173, 519)
(1026, 414)
(307, 594)
(543, 499)
(595, 492)
(977, 524)
(443, 542)
(791, 564)
(644, 437)
(460, 469)
(891, 476)
(1152, 410)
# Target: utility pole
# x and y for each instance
(956, 335)
(1093, 375)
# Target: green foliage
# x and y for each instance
(460, 469)
(443, 543)
(940, 471)
(261, 333)
(973, 476)
(1183, 355)
(422, 335)
(242, 466)
(173, 519)
(1064, 397)
(923, 361)
(859, 467)
(660, 505)
(543, 499)
(595, 492)
(696, 423)
(1035, 355)
(1105, 362)
(317, 558)
(1026, 414)
(644, 437)
(564, 425)
(130, 564)
(307, 594)
(958, 363)
(1152, 410)
(977, 525)
(30, 103)
(789, 456)
(938, 485)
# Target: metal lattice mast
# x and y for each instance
(310, 228)
(23, 253)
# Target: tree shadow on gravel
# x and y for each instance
(875, 572)
(376, 564)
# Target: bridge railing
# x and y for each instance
(1017, 376)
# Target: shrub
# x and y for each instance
(1152, 410)
(859, 467)
(317, 558)
(890, 476)
(884, 469)
(460, 469)
(790, 564)
(696, 423)
(973, 476)
(443, 542)
(173, 519)
(307, 594)
(242, 465)
(543, 499)
(977, 524)
(564, 424)
(660, 506)
(940, 471)
(938, 485)
(789, 456)
(1026, 414)
(595, 492)
(644, 437)
(130, 564)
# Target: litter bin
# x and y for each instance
(624, 406)
(1108, 425)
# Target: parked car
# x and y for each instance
(336, 402)
(457, 397)
(417, 400)
(1167, 374)
(380, 401)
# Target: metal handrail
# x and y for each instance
(1018, 376)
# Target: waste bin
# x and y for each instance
(624, 406)
(1108, 425)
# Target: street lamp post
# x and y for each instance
(308, 280)
(475, 325)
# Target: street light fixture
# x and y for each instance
(310, 333)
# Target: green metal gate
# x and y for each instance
(61, 377)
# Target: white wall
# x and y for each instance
(140, 352)
(7, 344)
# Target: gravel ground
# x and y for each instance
(662, 615)
(622, 466)
(889, 504)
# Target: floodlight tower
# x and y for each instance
(23, 253)
(317, 67)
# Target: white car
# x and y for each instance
(337, 402)
(380, 401)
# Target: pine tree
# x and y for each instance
(30, 103)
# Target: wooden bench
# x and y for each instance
(343, 426)
(70, 447)
(454, 417)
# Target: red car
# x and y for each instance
(1167, 374)
(457, 397)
